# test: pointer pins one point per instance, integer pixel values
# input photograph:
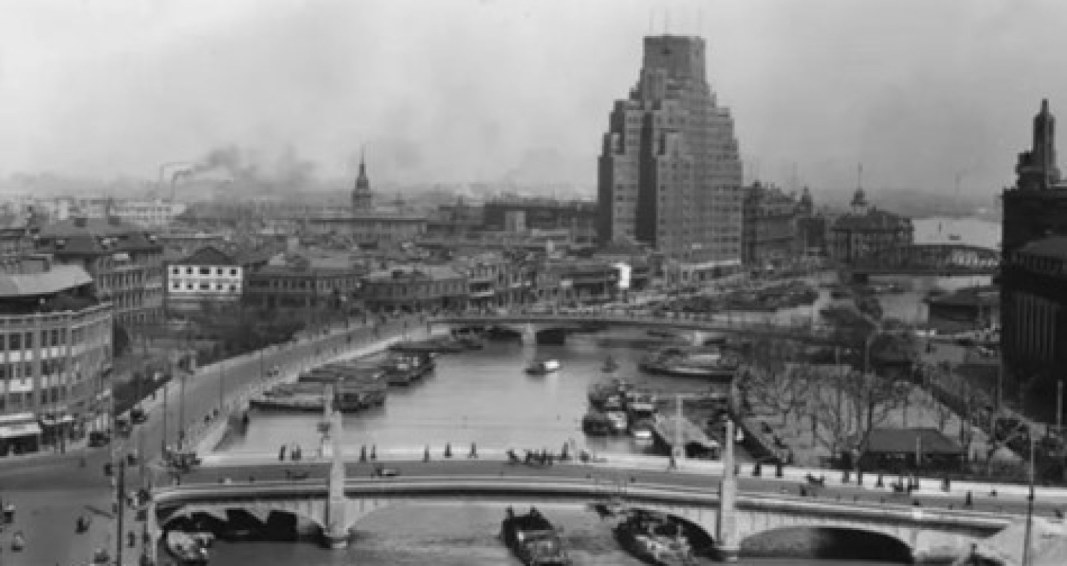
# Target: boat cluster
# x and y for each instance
(189, 549)
(616, 407)
(346, 386)
(652, 537)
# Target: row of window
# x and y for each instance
(232, 271)
(177, 286)
(55, 337)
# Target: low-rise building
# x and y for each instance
(865, 230)
(55, 353)
(572, 281)
(518, 215)
(370, 228)
(315, 287)
(124, 261)
(423, 288)
(210, 279)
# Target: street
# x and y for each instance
(52, 490)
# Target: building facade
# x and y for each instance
(125, 262)
(313, 288)
(514, 214)
(365, 226)
(768, 232)
(865, 230)
(1033, 276)
(670, 172)
(55, 353)
(207, 280)
(416, 289)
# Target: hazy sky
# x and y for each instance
(454, 90)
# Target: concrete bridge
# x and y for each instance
(923, 533)
(699, 327)
(928, 259)
(722, 516)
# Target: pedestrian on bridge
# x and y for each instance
(363, 453)
(374, 452)
(426, 454)
(281, 453)
(474, 451)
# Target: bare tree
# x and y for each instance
(848, 405)
(779, 382)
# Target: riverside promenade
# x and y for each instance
(52, 490)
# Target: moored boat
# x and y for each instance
(543, 367)
(186, 548)
(608, 395)
(711, 365)
(533, 539)
(404, 368)
(654, 538)
(595, 423)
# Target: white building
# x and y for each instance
(209, 278)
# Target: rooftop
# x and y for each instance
(57, 279)
(94, 236)
(873, 220)
(911, 440)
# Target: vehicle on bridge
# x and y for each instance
(533, 539)
(654, 538)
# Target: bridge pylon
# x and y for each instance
(335, 533)
(727, 545)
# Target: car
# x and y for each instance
(137, 415)
(381, 471)
(98, 438)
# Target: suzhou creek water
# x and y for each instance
(485, 397)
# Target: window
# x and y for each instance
(188, 271)
(233, 271)
(205, 271)
(205, 286)
(176, 271)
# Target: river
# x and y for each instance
(486, 398)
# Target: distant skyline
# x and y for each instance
(465, 90)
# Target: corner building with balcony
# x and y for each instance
(55, 354)
(670, 171)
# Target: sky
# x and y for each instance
(482, 90)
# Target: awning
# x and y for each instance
(20, 430)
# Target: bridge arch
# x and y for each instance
(827, 542)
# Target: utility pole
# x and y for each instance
(163, 439)
(1029, 508)
(120, 488)
(181, 414)
(222, 386)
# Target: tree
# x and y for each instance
(776, 379)
(848, 405)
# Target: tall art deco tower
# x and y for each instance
(669, 172)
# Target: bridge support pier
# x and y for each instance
(335, 533)
(727, 545)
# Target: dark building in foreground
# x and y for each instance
(1034, 272)
(669, 170)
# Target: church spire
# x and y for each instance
(361, 194)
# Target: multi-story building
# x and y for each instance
(865, 230)
(314, 287)
(210, 279)
(366, 226)
(811, 227)
(424, 288)
(496, 280)
(125, 262)
(1033, 264)
(55, 353)
(143, 213)
(768, 232)
(516, 214)
(669, 172)
(455, 220)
